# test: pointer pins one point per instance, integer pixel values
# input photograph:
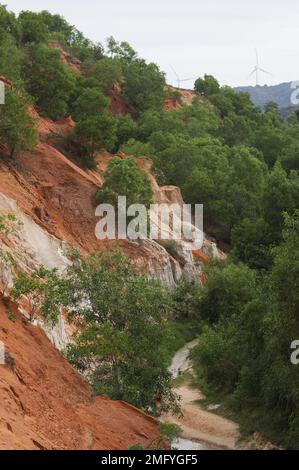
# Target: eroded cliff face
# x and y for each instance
(54, 198)
(45, 403)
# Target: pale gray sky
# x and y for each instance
(194, 36)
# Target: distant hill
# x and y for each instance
(261, 95)
(280, 94)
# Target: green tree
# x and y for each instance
(10, 57)
(9, 23)
(271, 141)
(143, 85)
(228, 289)
(43, 292)
(271, 107)
(126, 129)
(48, 80)
(281, 195)
(252, 241)
(107, 72)
(33, 28)
(90, 102)
(121, 316)
(246, 183)
(17, 127)
(92, 133)
(207, 86)
(121, 50)
(124, 178)
(187, 301)
(136, 148)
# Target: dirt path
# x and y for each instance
(211, 431)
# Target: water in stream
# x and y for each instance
(186, 444)
(181, 363)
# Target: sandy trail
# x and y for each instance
(198, 425)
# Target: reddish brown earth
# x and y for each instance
(171, 103)
(118, 105)
(60, 196)
(66, 58)
(187, 95)
(45, 404)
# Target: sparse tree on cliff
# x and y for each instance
(48, 80)
(121, 316)
(123, 178)
(17, 127)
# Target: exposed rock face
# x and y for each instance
(32, 246)
(150, 257)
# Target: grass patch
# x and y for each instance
(11, 316)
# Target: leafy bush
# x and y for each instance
(124, 178)
(33, 28)
(17, 127)
(48, 80)
(121, 316)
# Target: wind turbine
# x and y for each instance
(179, 80)
(257, 69)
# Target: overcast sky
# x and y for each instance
(195, 37)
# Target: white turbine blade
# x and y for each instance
(252, 73)
(265, 71)
(257, 57)
(188, 79)
(174, 72)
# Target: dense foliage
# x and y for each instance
(121, 316)
(245, 353)
(17, 127)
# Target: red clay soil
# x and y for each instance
(45, 404)
(187, 95)
(57, 194)
(199, 255)
(118, 105)
(66, 58)
(171, 103)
